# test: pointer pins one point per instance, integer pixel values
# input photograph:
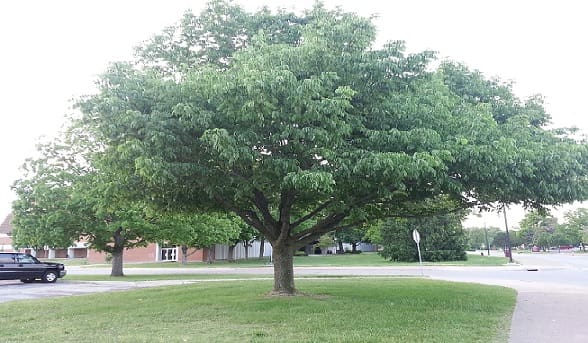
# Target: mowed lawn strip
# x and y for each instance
(345, 260)
(341, 310)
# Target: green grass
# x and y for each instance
(346, 260)
(342, 310)
(197, 277)
(156, 277)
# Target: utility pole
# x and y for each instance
(507, 240)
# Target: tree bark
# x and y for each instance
(117, 263)
(246, 246)
(231, 256)
(211, 253)
(184, 249)
(283, 259)
(261, 248)
(340, 250)
(117, 253)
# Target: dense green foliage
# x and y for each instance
(481, 237)
(64, 198)
(544, 231)
(577, 221)
(351, 235)
(442, 239)
(300, 125)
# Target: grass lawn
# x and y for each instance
(155, 277)
(364, 259)
(340, 310)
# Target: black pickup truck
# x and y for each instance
(27, 268)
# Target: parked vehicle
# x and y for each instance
(27, 268)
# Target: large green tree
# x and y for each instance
(300, 125)
(537, 229)
(578, 220)
(63, 198)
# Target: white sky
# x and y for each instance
(54, 50)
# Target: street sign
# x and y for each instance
(416, 236)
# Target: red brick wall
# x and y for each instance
(142, 254)
(80, 253)
(194, 255)
(145, 254)
(61, 253)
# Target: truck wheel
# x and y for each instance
(50, 276)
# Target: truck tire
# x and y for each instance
(50, 276)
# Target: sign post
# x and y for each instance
(417, 239)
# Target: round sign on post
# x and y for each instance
(416, 236)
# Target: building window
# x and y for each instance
(169, 254)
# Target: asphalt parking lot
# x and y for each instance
(15, 290)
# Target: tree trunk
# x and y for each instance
(261, 248)
(117, 253)
(231, 257)
(246, 246)
(184, 249)
(340, 251)
(117, 263)
(353, 248)
(210, 257)
(283, 259)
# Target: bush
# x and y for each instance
(442, 239)
(444, 255)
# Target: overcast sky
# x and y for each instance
(52, 51)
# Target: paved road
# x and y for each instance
(555, 306)
(552, 302)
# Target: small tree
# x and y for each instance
(351, 235)
(63, 198)
(325, 242)
(246, 236)
(577, 221)
(481, 237)
(197, 230)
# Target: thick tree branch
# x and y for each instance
(311, 214)
(262, 204)
(322, 227)
(249, 217)
(311, 238)
(286, 202)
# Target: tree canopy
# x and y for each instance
(63, 198)
(300, 125)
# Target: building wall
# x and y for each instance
(150, 253)
(153, 253)
(221, 252)
(140, 254)
(6, 243)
